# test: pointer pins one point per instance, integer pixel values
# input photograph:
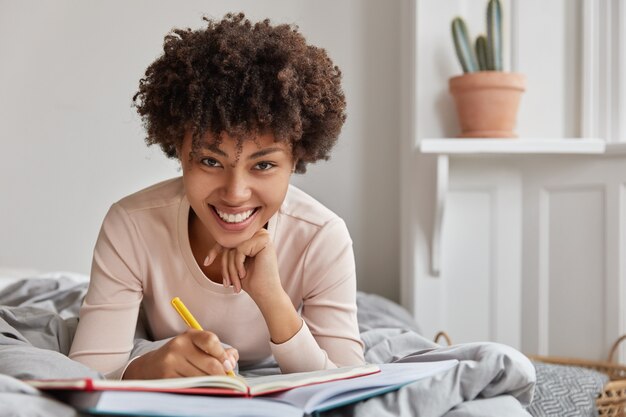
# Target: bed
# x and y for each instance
(38, 315)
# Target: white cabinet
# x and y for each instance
(529, 246)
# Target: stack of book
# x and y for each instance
(289, 395)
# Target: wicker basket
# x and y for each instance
(612, 401)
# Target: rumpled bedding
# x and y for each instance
(38, 320)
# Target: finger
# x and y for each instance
(225, 275)
(194, 366)
(181, 355)
(240, 259)
(213, 252)
(210, 344)
(233, 354)
(232, 270)
(225, 279)
(204, 364)
(256, 244)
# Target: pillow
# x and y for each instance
(565, 391)
(376, 312)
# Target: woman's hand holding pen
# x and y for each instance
(193, 353)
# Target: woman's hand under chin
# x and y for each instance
(251, 266)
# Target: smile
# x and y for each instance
(234, 218)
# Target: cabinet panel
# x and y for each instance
(573, 265)
(466, 260)
(477, 295)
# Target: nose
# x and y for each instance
(236, 190)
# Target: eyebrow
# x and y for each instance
(264, 152)
(213, 148)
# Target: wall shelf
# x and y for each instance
(445, 148)
(455, 146)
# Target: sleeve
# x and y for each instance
(329, 336)
(108, 315)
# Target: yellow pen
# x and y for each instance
(190, 320)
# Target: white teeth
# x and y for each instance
(234, 218)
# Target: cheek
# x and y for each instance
(196, 186)
(276, 193)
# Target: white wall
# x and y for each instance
(72, 144)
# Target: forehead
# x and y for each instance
(226, 143)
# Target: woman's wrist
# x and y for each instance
(281, 317)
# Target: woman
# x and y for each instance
(264, 267)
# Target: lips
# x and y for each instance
(234, 217)
(234, 221)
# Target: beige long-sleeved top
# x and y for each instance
(143, 257)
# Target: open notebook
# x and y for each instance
(287, 395)
(210, 385)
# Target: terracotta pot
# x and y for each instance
(487, 103)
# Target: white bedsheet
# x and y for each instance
(10, 275)
(39, 316)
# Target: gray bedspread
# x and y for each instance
(38, 319)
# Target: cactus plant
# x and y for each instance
(488, 49)
(463, 46)
(494, 35)
(481, 52)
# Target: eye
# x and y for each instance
(210, 162)
(264, 166)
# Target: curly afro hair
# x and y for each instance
(243, 79)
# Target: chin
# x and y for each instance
(229, 242)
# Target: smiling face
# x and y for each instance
(234, 192)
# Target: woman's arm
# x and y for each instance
(108, 316)
(329, 304)
(329, 300)
(253, 267)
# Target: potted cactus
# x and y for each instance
(486, 97)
